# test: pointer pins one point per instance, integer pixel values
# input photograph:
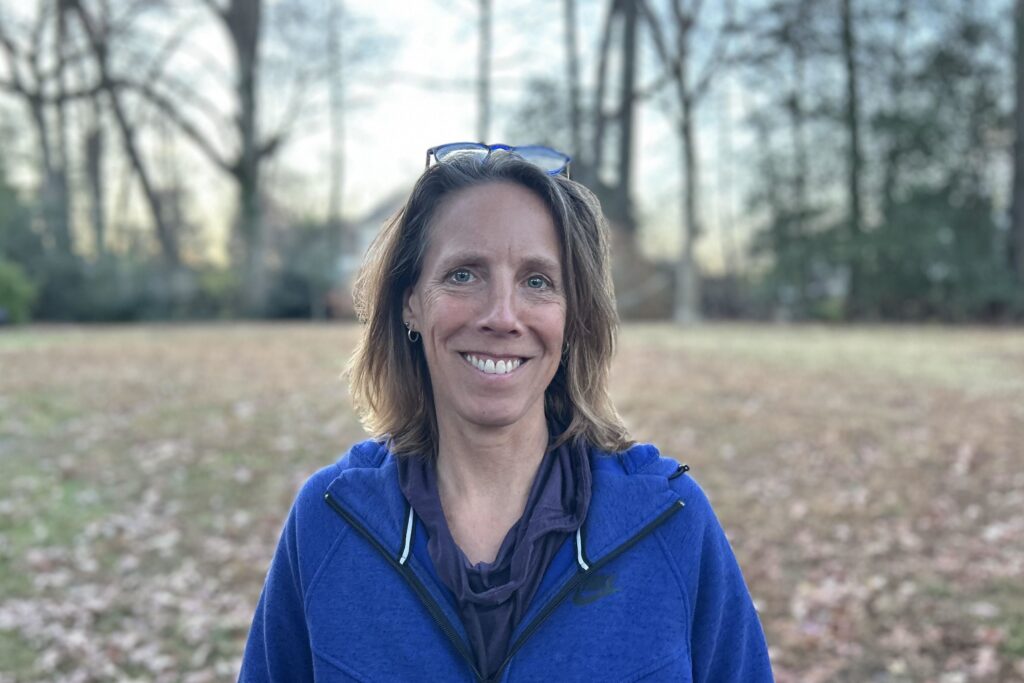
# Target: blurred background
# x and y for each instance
(222, 163)
(831, 160)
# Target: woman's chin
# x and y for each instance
(499, 417)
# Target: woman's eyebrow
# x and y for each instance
(475, 258)
(542, 263)
(462, 258)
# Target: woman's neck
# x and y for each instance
(484, 478)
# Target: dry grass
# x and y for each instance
(870, 480)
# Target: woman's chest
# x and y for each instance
(370, 619)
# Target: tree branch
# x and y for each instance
(156, 74)
(717, 56)
(292, 112)
(597, 145)
(116, 26)
(672, 66)
(37, 40)
(11, 86)
(167, 107)
(11, 50)
(43, 98)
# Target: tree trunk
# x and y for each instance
(686, 302)
(592, 173)
(61, 130)
(854, 304)
(622, 205)
(166, 234)
(336, 86)
(243, 20)
(687, 296)
(1017, 211)
(573, 77)
(484, 73)
(94, 179)
(54, 192)
(730, 257)
(250, 228)
(800, 162)
(892, 176)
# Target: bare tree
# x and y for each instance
(484, 72)
(616, 196)
(1017, 211)
(572, 63)
(242, 22)
(691, 83)
(854, 154)
(725, 182)
(336, 89)
(94, 150)
(786, 39)
(98, 34)
(93, 153)
(32, 82)
(627, 97)
(894, 153)
(591, 171)
(60, 48)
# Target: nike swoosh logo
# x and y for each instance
(594, 588)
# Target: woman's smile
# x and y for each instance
(494, 365)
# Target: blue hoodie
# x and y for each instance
(648, 590)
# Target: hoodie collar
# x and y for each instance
(630, 490)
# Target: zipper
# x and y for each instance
(577, 579)
(442, 621)
(414, 582)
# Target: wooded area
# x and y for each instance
(884, 177)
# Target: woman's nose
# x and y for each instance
(501, 311)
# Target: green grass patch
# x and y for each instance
(32, 338)
(38, 414)
(975, 359)
(47, 514)
(17, 656)
(1013, 646)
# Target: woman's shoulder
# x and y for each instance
(645, 459)
(641, 477)
(371, 453)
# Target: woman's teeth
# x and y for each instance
(502, 367)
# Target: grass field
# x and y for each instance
(871, 481)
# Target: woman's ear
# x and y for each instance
(409, 308)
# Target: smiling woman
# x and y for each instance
(490, 308)
(499, 480)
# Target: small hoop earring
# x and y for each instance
(412, 334)
(565, 350)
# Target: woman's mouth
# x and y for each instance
(494, 366)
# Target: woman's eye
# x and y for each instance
(536, 282)
(460, 276)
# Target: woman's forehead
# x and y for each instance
(487, 221)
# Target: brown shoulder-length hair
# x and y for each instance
(388, 376)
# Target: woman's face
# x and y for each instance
(490, 306)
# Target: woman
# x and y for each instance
(500, 525)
